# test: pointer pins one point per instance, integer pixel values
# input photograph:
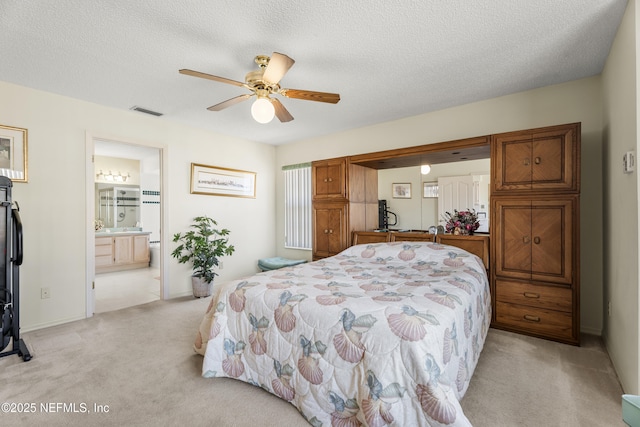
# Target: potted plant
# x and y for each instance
(203, 247)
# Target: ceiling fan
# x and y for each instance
(265, 82)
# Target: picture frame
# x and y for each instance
(401, 190)
(218, 181)
(430, 189)
(13, 153)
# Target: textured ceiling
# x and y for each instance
(387, 59)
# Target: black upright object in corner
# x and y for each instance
(383, 216)
(11, 245)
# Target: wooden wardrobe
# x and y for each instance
(345, 198)
(535, 223)
(535, 226)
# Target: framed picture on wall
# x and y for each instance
(216, 181)
(13, 153)
(401, 190)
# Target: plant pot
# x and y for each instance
(200, 287)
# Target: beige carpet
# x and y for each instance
(137, 363)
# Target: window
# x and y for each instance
(297, 209)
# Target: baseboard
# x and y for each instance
(181, 294)
(591, 331)
(39, 326)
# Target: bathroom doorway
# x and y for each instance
(125, 256)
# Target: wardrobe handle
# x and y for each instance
(527, 162)
(325, 180)
(330, 179)
(538, 160)
(536, 240)
(330, 231)
(531, 318)
(326, 231)
(531, 295)
(525, 239)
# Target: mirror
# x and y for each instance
(118, 206)
(418, 210)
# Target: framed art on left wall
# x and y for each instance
(13, 153)
(217, 181)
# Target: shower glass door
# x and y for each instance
(119, 207)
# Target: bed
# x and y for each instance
(380, 334)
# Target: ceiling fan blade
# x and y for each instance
(229, 102)
(281, 113)
(210, 77)
(278, 66)
(309, 95)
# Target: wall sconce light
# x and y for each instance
(111, 177)
(425, 169)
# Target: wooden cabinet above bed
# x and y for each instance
(329, 179)
(345, 198)
(540, 160)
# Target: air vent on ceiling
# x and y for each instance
(144, 110)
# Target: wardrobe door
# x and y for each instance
(554, 159)
(512, 238)
(329, 179)
(329, 228)
(513, 161)
(552, 231)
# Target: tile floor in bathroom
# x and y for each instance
(123, 289)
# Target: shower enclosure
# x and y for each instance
(119, 206)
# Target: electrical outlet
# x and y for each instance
(45, 293)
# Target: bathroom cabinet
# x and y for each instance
(122, 251)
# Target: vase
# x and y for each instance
(461, 231)
(200, 287)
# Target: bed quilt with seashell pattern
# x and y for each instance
(380, 334)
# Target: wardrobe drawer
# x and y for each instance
(540, 296)
(535, 320)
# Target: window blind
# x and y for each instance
(297, 212)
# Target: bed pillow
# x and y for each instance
(404, 251)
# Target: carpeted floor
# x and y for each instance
(136, 367)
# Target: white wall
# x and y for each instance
(576, 101)
(55, 248)
(620, 79)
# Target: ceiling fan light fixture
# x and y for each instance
(262, 110)
(425, 169)
(265, 82)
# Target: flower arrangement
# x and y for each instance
(461, 222)
(98, 224)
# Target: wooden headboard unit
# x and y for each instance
(478, 244)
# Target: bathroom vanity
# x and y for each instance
(121, 250)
